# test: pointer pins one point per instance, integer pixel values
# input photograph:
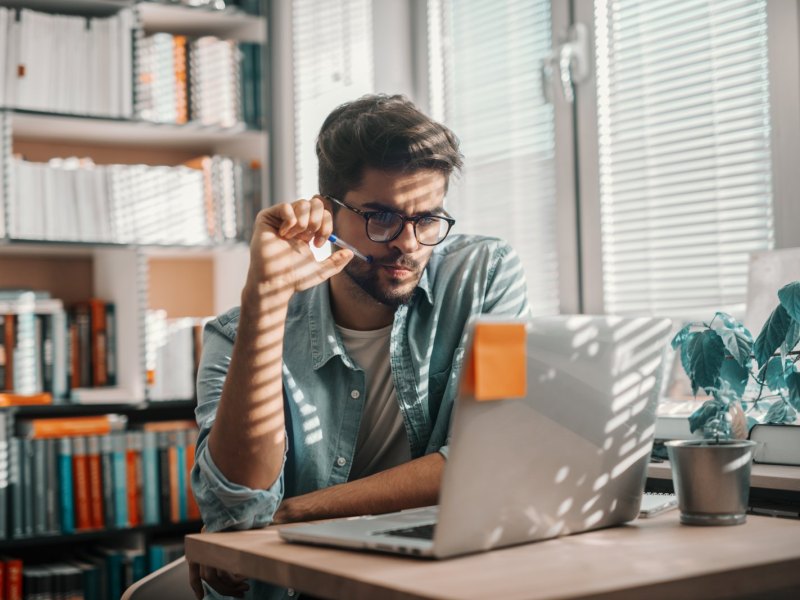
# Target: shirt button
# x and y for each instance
(355, 394)
(290, 592)
(341, 461)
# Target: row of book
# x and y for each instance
(47, 350)
(40, 52)
(91, 573)
(212, 199)
(75, 474)
(209, 81)
(124, 73)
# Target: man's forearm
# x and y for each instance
(410, 485)
(247, 439)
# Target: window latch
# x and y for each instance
(571, 58)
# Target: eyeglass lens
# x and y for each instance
(382, 227)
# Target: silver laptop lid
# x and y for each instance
(571, 454)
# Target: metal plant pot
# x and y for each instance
(712, 480)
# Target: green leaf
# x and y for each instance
(735, 375)
(772, 334)
(686, 362)
(709, 411)
(780, 412)
(793, 381)
(789, 295)
(706, 353)
(736, 337)
(792, 336)
(777, 371)
(681, 336)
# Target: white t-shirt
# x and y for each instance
(382, 438)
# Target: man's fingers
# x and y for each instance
(224, 583)
(194, 580)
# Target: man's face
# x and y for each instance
(397, 265)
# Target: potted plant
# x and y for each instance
(748, 381)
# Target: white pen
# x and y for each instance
(342, 244)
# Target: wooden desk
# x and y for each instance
(650, 558)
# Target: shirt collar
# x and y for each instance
(325, 341)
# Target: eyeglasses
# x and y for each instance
(385, 226)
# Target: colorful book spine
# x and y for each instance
(13, 577)
(107, 461)
(180, 468)
(192, 509)
(150, 480)
(132, 462)
(95, 481)
(65, 484)
(120, 479)
(80, 482)
(39, 486)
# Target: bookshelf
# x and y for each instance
(143, 260)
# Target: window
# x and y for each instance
(332, 64)
(485, 85)
(683, 130)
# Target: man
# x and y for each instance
(328, 393)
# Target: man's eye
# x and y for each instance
(384, 218)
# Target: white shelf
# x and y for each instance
(199, 21)
(75, 128)
(228, 23)
(60, 248)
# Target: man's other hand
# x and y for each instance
(223, 582)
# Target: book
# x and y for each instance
(50, 427)
(107, 460)
(5, 473)
(119, 446)
(150, 481)
(13, 577)
(11, 399)
(95, 481)
(81, 485)
(66, 489)
(654, 504)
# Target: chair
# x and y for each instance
(170, 581)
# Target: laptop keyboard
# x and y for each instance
(420, 532)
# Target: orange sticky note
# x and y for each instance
(498, 369)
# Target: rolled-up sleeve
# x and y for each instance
(224, 504)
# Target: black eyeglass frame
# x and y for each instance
(368, 214)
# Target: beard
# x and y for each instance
(366, 277)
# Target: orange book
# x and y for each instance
(10, 340)
(93, 461)
(81, 485)
(179, 60)
(9, 399)
(66, 426)
(99, 341)
(169, 425)
(192, 510)
(13, 578)
(133, 458)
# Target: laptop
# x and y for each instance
(567, 453)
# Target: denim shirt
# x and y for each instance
(324, 391)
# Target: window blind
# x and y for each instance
(484, 79)
(684, 151)
(332, 60)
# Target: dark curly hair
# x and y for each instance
(383, 132)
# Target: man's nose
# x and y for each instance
(406, 242)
